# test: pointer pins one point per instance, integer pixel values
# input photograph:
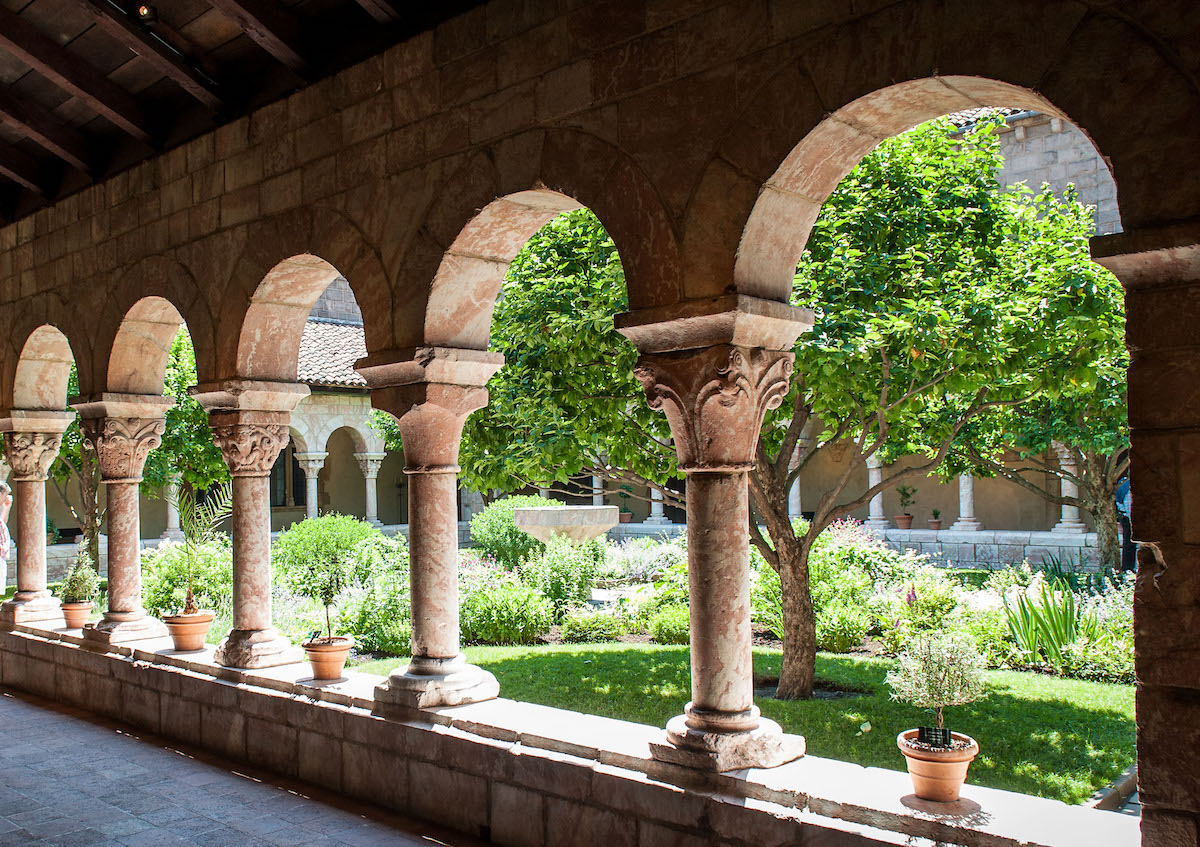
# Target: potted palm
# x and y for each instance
(935, 523)
(79, 590)
(906, 493)
(323, 580)
(935, 671)
(198, 521)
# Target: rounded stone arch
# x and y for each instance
(41, 371)
(287, 262)
(299, 436)
(353, 432)
(145, 306)
(493, 204)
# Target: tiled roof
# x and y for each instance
(967, 117)
(328, 352)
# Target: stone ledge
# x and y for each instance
(479, 744)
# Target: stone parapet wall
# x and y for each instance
(516, 773)
(997, 548)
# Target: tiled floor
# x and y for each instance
(71, 780)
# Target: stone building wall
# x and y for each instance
(338, 303)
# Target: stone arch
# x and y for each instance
(354, 433)
(43, 371)
(143, 301)
(286, 263)
(299, 439)
(497, 200)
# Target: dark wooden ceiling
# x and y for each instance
(88, 88)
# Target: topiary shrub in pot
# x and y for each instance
(324, 578)
(938, 670)
(79, 590)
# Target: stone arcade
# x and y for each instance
(705, 137)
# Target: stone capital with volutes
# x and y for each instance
(249, 441)
(31, 441)
(715, 400)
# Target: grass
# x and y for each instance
(1040, 735)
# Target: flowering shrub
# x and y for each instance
(936, 671)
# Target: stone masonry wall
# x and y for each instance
(338, 303)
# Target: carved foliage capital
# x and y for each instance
(30, 454)
(121, 445)
(369, 463)
(250, 449)
(715, 400)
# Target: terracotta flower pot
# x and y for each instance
(76, 614)
(935, 524)
(903, 521)
(626, 517)
(937, 775)
(189, 631)
(328, 655)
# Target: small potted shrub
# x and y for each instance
(906, 493)
(79, 591)
(626, 513)
(51, 532)
(933, 672)
(935, 523)
(323, 580)
(189, 627)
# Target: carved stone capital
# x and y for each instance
(715, 400)
(30, 454)
(370, 463)
(121, 445)
(431, 418)
(311, 463)
(250, 442)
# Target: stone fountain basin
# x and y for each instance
(578, 523)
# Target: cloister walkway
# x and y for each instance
(70, 779)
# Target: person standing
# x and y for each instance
(1128, 548)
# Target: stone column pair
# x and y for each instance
(31, 442)
(715, 393)
(430, 392)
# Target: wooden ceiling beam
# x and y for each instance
(71, 74)
(21, 169)
(34, 122)
(268, 26)
(161, 55)
(381, 10)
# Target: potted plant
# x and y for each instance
(323, 580)
(51, 532)
(198, 521)
(935, 671)
(626, 514)
(906, 493)
(935, 523)
(79, 590)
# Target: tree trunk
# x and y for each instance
(799, 623)
(1107, 542)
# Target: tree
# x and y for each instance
(566, 403)
(941, 302)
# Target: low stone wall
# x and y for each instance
(515, 773)
(997, 548)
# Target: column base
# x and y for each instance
(968, 525)
(1069, 527)
(374, 522)
(765, 746)
(453, 683)
(878, 524)
(119, 631)
(30, 607)
(256, 648)
(653, 521)
(172, 535)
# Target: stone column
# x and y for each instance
(311, 464)
(370, 462)
(121, 430)
(430, 397)
(31, 442)
(657, 518)
(249, 420)
(715, 400)
(1069, 520)
(597, 491)
(173, 532)
(967, 522)
(876, 518)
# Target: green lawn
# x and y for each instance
(1040, 735)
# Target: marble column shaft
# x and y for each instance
(370, 463)
(311, 464)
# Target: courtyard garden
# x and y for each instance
(602, 628)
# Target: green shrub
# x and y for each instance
(1110, 661)
(841, 628)
(988, 628)
(670, 625)
(323, 539)
(379, 615)
(510, 613)
(164, 576)
(496, 535)
(565, 572)
(593, 627)
(379, 555)
(643, 559)
(82, 583)
(670, 589)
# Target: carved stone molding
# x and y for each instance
(121, 445)
(715, 400)
(250, 448)
(30, 454)
(431, 418)
(369, 463)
